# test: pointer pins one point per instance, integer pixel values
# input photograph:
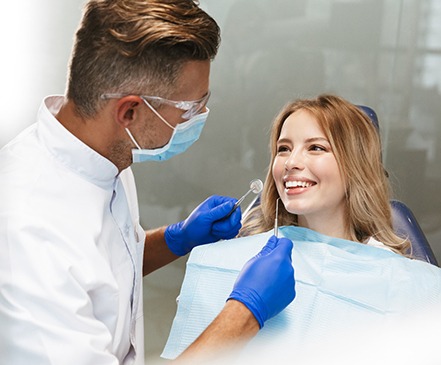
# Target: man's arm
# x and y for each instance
(156, 252)
(206, 224)
(235, 325)
(264, 287)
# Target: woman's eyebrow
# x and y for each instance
(316, 139)
(308, 140)
(283, 140)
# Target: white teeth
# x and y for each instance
(297, 184)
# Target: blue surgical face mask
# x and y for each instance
(184, 135)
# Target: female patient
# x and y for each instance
(326, 168)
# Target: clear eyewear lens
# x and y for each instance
(190, 108)
(197, 107)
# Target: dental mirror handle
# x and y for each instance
(241, 199)
(256, 187)
(238, 203)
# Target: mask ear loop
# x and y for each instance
(133, 139)
(156, 113)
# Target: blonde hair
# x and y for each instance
(356, 145)
(136, 47)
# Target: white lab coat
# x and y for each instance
(71, 251)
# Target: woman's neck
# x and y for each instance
(330, 226)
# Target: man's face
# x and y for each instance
(192, 84)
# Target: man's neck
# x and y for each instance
(98, 133)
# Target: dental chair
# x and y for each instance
(404, 222)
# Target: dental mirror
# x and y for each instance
(256, 187)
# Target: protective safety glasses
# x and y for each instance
(190, 108)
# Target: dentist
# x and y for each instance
(73, 253)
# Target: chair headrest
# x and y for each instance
(371, 114)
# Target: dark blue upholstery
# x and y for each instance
(405, 224)
(372, 115)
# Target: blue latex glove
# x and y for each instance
(266, 283)
(204, 225)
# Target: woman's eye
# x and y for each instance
(282, 149)
(317, 148)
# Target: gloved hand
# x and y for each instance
(204, 225)
(266, 283)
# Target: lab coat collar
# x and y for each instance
(71, 151)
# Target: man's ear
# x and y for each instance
(127, 110)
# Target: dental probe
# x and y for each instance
(276, 220)
(256, 187)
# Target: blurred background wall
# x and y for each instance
(381, 53)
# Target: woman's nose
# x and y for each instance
(294, 161)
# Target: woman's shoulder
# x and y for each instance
(371, 241)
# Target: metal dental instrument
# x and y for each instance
(276, 220)
(256, 187)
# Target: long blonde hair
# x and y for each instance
(356, 145)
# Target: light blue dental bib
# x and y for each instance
(339, 284)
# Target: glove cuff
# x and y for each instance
(253, 302)
(173, 241)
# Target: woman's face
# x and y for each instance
(306, 173)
